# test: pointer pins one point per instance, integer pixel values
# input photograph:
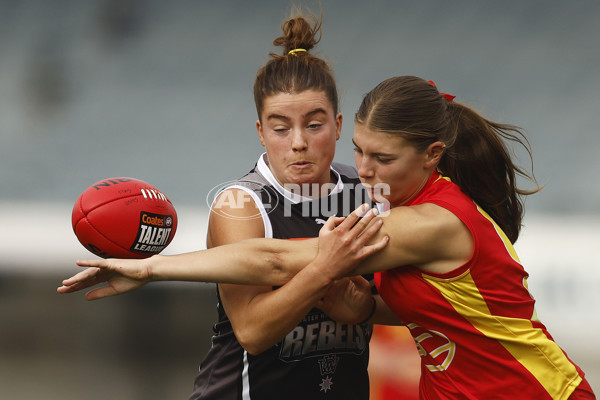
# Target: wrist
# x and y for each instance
(153, 268)
(319, 280)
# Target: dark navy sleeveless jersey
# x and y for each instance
(319, 358)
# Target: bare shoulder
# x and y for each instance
(234, 216)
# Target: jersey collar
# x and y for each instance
(265, 171)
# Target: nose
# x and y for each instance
(298, 139)
(364, 166)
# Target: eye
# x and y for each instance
(315, 125)
(280, 129)
(384, 160)
(357, 150)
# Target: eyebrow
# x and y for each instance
(377, 154)
(307, 115)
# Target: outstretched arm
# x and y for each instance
(250, 262)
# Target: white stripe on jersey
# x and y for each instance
(259, 205)
(245, 380)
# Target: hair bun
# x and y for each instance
(299, 33)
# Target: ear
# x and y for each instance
(433, 154)
(260, 133)
(338, 126)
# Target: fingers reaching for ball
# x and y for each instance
(120, 276)
(81, 280)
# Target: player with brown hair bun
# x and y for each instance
(271, 340)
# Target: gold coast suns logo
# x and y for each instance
(153, 234)
(435, 346)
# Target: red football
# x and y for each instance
(124, 218)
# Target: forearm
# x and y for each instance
(248, 262)
(272, 315)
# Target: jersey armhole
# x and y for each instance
(261, 208)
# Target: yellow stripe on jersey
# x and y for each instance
(500, 232)
(440, 176)
(511, 250)
(528, 345)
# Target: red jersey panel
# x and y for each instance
(476, 328)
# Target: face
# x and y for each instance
(383, 158)
(299, 132)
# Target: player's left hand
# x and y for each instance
(121, 276)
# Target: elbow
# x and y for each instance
(274, 265)
(251, 343)
(280, 274)
(251, 336)
(254, 350)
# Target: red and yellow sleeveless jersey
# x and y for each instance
(476, 328)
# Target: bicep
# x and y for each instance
(259, 315)
(274, 261)
(229, 223)
(426, 236)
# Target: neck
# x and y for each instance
(418, 190)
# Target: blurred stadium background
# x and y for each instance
(161, 91)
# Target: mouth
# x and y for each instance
(370, 193)
(301, 164)
(376, 192)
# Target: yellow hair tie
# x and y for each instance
(293, 52)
